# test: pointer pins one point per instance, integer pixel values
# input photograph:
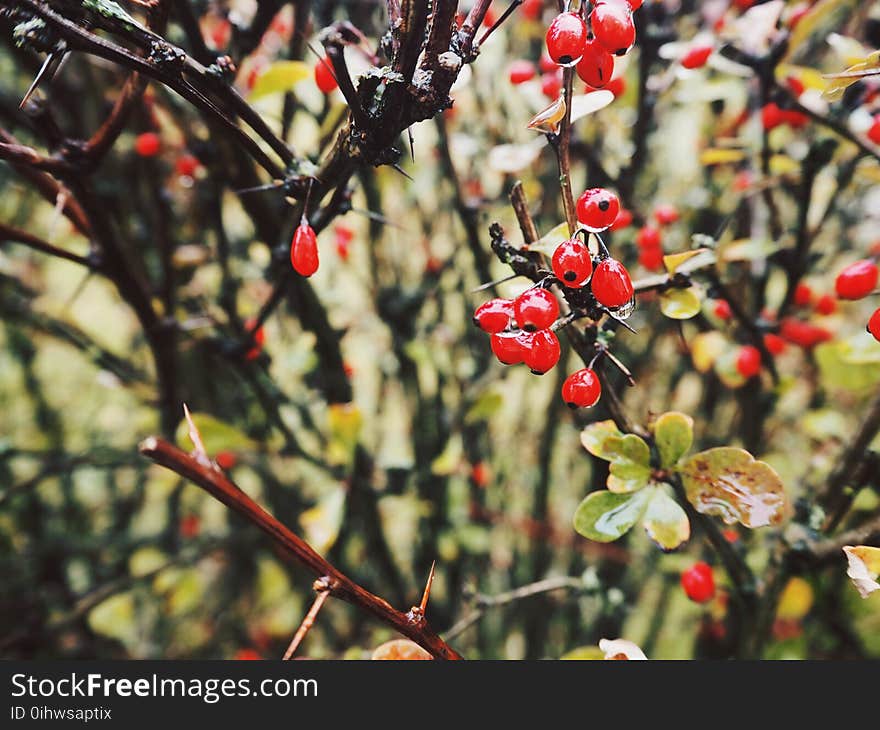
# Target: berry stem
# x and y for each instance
(504, 16)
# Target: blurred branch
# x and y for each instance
(218, 486)
(9, 233)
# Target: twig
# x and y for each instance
(322, 587)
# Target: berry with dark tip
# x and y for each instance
(565, 38)
(543, 353)
(611, 283)
(572, 263)
(597, 209)
(535, 309)
(581, 389)
(494, 316)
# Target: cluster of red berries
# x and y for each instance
(522, 329)
(698, 582)
(589, 45)
(649, 239)
(857, 281)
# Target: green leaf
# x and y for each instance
(605, 516)
(627, 476)
(279, 77)
(548, 243)
(484, 407)
(216, 435)
(665, 521)
(594, 436)
(680, 303)
(673, 434)
(730, 483)
(836, 372)
(321, 523)
(345, 421)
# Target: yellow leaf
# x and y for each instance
(547, 120)
(795, 601)
(811, 21)
(280, 76)
(680, 303)
(688, 260)
(840, 82)
(718, 156)
(706, 348)
(345, 422)
(783, 165)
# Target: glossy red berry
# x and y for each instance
(304, 250)
(698, 582)
(535, 309)
(651, 258)
(613, 27)
(803, 295)
(572, 263)
(774, 343)
(722, 309)
(510, 347)
(597, 209)
(494, 316)
(874, 325)
(324, 78)
(543, 353)
(857, 280)
(696, 57)
(748, 361)
(148, 144)
(648, 237)
(611, 284)
(565, 38)
(666, 214)
(581, 389)
(826, 304)
(624, 220)
(551, 84)
(596, 65)
(521, 71)
(874, 131)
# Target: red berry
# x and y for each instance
(611, 284)
(666, 214)
(613, 27)
(874, 131)
(748, 361)
(803, 295)
(634, 4)
(596, 65)
(551, 84)
(581, 389)
(565, 38)
(795, 119)
(187, 165)
(722, 309)
(874, 325)
(572, 263)
(247, 654)
(547, 64)
(772, 116)
(190, 526)
(856, 280)
(226, 459)
(803, 334)
(698, 582)
(509, 347)
(521, 71)
(624, 220)
(480, 474)
(648, 237)
(774, 343)
(795, 85)
(494, 316)
(324, 78)
(258, 337)
(543, 353)
(826, 305)
(532, 9)
(651, 258)
(304, 250)
(597, 209)
(616, 86)
(696, 57)
(147, 144)
(535, 309)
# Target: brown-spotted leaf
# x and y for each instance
(400, 649)
(731, 484)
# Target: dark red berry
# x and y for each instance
(651, 258)
(666, 214)
(147, 144)
(748, 361)
(826, 304)
(722, 309)
(304, 250)
(572, 263)
(543, 353)
(803, 295)
(494, 316)
(774, 343)
(535, 309)
(521, 71)
(324, 77)
(596, 65)
(597, 208)
(611, 284)
(857, 280)
(696, 57)
(698, 582)
(613, 27)
(565, 38)
(648, 237)
(581, 389)
(510, 347)
(874, 325)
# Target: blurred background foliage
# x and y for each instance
(443, 454)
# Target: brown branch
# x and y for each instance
(9, 233)
(523, 216)
(322, 587)
(218, 486)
